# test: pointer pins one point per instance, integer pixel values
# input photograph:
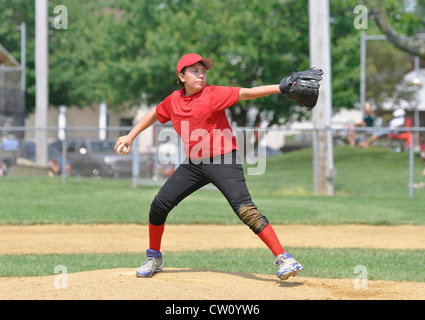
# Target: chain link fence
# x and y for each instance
(154, 157)
(12, 98)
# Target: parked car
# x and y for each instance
(97, 158)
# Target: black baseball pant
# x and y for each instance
(225, 172)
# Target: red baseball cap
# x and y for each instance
(192, 58)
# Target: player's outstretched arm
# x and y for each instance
(147, 120)
(258, 92)
(301, 86)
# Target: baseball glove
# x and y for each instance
(302, 86)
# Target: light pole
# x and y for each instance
(363, 40)
(41, 79)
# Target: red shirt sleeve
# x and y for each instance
(163, 110)
(224, 97)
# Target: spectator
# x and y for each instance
(10, 143)
(54, 168)
(367, 121)
(398, 121)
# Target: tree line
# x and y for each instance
(123, 51)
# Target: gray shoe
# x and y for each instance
(152, 264)
(288, 266)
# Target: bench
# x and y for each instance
(9, 156)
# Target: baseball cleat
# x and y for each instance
(152, 264)
(288, 266)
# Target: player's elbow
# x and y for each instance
(246, 94)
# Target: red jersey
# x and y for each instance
(201, 121)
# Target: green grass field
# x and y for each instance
(371, 188)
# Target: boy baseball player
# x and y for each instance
(197, 112)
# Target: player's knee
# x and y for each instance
(158, 212)
(250, 215)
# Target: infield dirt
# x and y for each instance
(200, 284)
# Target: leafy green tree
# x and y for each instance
(386, 68)
(117, 50)
(401, 21)
(252, 43)
(387, 61)
(12, 14)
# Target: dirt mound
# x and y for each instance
(199, 284)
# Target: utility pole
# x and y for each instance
(103, 116)
(320, 57)
(41, 80)
(23, 29)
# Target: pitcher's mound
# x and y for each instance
(198, 284)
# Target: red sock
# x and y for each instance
(269, 237)
(155, 236)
